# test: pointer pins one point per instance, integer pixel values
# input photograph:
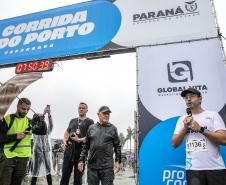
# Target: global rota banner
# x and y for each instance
(103, 25)
(164, 72)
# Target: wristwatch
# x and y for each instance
(202, 130)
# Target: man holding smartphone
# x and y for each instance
(204, 132)
(74, 138)
(15, 141)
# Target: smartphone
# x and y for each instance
(47, 109)
(73, 135)
(27, 132)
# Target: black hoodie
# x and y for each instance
(102, 142)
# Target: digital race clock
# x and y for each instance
(35, 66)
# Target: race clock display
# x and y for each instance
(35, 66)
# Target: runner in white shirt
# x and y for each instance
(204, 131)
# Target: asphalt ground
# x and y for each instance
(126, 177)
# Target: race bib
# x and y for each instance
(196, 144)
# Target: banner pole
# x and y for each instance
(137, 123)
(218, 30)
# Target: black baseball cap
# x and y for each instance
(104, 109)
(192, 91)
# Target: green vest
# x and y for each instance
(23, 149)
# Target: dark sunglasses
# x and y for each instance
(106, 113)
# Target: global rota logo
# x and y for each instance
(180, 71)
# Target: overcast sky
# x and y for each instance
(110, 81)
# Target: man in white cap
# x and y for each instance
(204, 131)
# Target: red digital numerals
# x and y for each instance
(28, 67)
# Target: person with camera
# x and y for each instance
(41, 157)
(204, 132)
(15, 141)
(74, 138)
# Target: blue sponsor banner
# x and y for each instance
(160, 104)
(159, 162)
(70, 30)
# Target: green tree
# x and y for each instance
(130, 135)
(122, 139)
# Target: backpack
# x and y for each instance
(12, 118)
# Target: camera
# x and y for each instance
(73, 135)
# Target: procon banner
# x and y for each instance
(103, 25)
(164, 72)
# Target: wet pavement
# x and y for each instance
(122, 178)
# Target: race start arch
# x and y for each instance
(166, 36)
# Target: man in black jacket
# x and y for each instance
(101, 139)
(74, 138)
